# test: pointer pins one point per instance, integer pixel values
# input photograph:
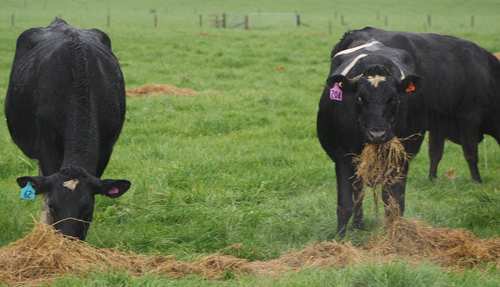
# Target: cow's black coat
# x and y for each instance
(461, 94)
(65, 107)
(458, 100)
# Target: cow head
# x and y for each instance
(377, 95)
(72, 192)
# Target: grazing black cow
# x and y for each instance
(459, 101)
(65, 108)
(461, 92)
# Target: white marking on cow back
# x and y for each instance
(376, 80)
(71, 184)
(348, 51)
(349, 67)
(402, 74)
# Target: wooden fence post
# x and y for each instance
(247, 27)
(297, 20)
(428, 20)
(224, 20)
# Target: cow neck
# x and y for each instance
(81, 144)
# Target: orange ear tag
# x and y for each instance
(410, 88)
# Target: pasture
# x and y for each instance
(239, 170)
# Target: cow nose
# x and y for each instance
(377, 136)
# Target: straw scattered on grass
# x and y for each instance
(157, 89)
(45, 255)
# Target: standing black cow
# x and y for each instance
(371, 96)
(65, 107)
(459, 101)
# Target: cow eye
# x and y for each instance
(360, 100)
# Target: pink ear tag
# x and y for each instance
(114, 190)
(336, 93)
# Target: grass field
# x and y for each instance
(242, 165)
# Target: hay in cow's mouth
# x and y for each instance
(381, 164)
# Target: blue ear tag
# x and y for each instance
(28, 192)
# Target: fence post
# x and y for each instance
(297, 18)
(428, 20)
(246, 23)
(109, 20)
(224, 20)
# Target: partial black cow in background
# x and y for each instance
(372, 70)
(65, 108)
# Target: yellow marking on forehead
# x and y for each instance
(71, 184)
(376, 80)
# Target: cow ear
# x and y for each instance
(39, 183)
(113, 187)
(411, 83)
(344, 83)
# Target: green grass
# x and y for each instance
(242, 165)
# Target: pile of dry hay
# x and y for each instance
(44, 255)
(156, 89)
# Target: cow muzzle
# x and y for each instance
(377, 136)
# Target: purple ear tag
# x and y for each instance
(336, 93)
(114, 190)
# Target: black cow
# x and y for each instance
(371, 96)
(461, 94)
(65, 108)
(457, 100)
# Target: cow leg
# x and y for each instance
(469, 140)
(358, 206)
(345, 204)
(436, 147)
